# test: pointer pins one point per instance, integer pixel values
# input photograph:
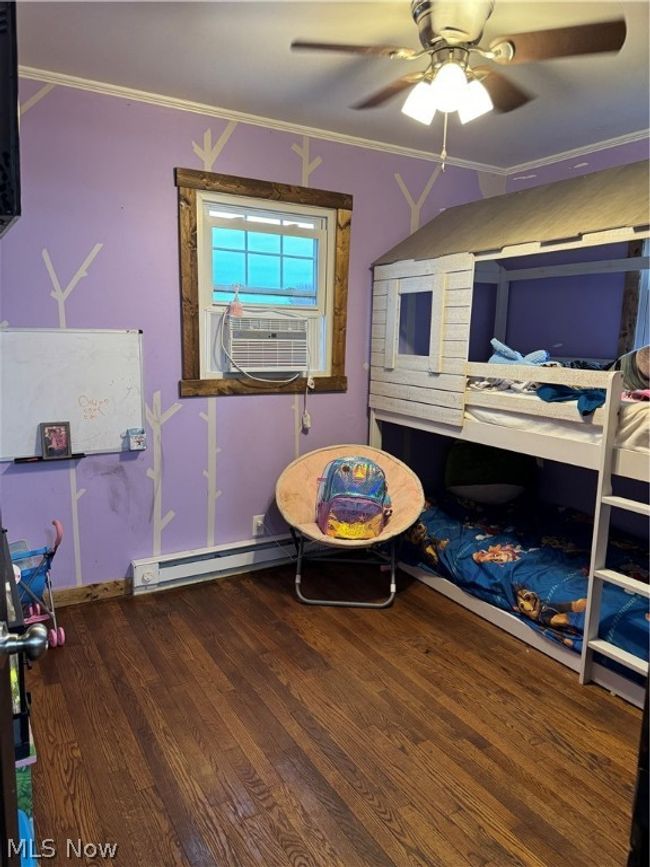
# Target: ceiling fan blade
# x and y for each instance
(505, 95)
(565, 41)
(377, 50)
(391, 90)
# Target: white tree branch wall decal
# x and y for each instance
(75, 495)
(34, 99)
(491, 184)
(415, 205)
(156, 419)
(59, 294)
(297, 425)
(307, 165)
(208, 152)
(210, 473)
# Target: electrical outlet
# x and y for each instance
(258, 525)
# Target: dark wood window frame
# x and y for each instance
(189, 181)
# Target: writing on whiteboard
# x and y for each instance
(92, 407)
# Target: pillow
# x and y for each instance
(635, 367)
(488, 475)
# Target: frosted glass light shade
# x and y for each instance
(475, 102)
(420, 103)
(449, 86)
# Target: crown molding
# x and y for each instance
(57, 78)
(628, 138)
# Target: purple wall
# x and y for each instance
(582, 165)
(484, 303)
(99, 170)
(587, 308)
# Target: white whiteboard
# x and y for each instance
(91, 378)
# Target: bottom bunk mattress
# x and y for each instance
(633, 428)
(534, 563)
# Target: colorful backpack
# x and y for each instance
(353, 501)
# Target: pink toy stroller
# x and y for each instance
(35, 584)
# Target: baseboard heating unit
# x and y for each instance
(204, 564)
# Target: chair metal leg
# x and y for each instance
(300, 546)
(342, 603)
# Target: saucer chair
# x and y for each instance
(296, 492)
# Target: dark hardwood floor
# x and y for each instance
(226, 724)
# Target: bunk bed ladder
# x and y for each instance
(599, 574)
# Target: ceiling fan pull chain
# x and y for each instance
(443, 152)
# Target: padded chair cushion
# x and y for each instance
(297, 488)
(487, 475)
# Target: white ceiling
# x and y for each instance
(236, 55)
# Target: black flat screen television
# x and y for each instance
(9, 149)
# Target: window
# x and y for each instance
(414, 323)
(282, 253)
(272, 257)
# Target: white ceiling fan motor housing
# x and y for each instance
(456, 21)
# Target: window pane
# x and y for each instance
(275, 300)
(231, 238)
(298, 246)
(273, 221)
(263, 271)
(300, 224)
(226, 215)
(259, 242)
(415, 323)
(228, 268)
(298, 274)
(263, 263)
(223, 297)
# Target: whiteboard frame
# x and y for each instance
(137, 331)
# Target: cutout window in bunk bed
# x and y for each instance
(420, 336)
(577, 307)
(575, 303)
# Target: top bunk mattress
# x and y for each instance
(633, 428)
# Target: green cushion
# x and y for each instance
(487, 475)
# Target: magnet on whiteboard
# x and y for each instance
(137, 438)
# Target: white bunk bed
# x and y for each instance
(430, 391)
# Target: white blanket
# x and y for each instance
(633, 429)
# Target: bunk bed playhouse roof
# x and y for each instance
(615, 198)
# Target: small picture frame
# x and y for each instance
(55, 440)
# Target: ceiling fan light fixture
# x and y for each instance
(420, 103)
(449, 86)
(475, 102)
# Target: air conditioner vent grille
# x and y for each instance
(264, 344)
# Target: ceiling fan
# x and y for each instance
(450, 32)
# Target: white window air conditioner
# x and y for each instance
(258, 344)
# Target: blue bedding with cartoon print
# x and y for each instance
(535, 567)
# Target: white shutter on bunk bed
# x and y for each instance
(414, 373)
